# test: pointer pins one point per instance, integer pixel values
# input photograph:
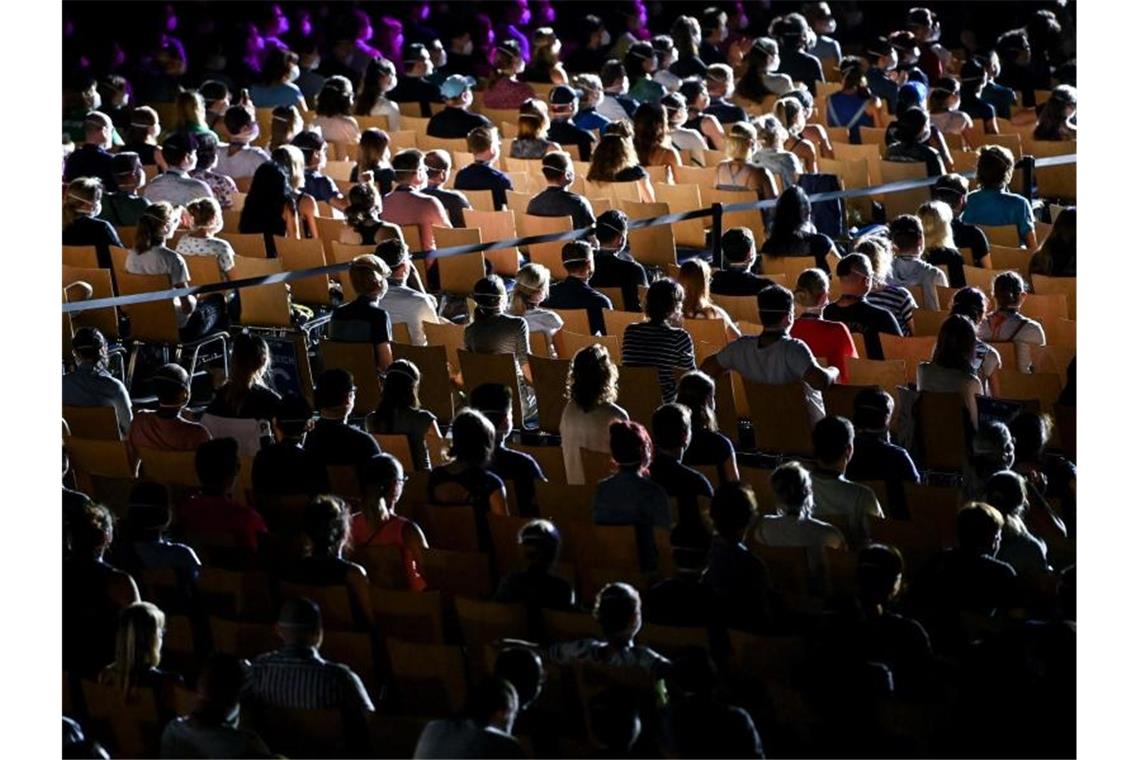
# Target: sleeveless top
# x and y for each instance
(391, 533)
(735, 173)
(479, 484)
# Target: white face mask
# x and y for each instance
(96, 101)
(97, 209)
(315, 63)
(467, 48)
(606, 37)
(294, 72)
(827, 27)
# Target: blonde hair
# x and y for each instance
(534, 120)
(531, 280)
(83, 193)
(542, 46)
(811, 284)
(740, 140)
(789, 111)
(296, 164)
(205, 214)
(157, 223)
(878, 251)
(138, 645)
(191, 110)
(770, 133)
(284, 126)
(368, 272)
(936, 218)
(695, 276)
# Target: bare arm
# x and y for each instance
(712, 367)
(383, 355)
(714, 131)
(820, 377)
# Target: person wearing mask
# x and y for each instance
(774, 357)
(617, 103)
(496, 403)
(466, 479)
(166, 429)
(589, 55)
(493, 331)
(972, 78)
(1008, 325)
(533, 126)
(332, 440)
(556, 199)
(938, 241)
(659, 342)
(320, 186)
(363, 320)
(913, 134)
(792, 32)
(1025, 552)
(615, 160)
(855, 105)
(123, 207)
(379, 80)
(793, 524)
(672, 431)
(792, 232)
(138, 654)
(238, 158)
(483, 143)
(399, 412)
(614, 267)
(90, 384)
(279, 72)
(590, 408)
(738, 247)
(563, 130)
(285, 467)
(310, 80)
(884, 79)
(927, 30)
(641, 63)
(738, 577)
(214, 515)
(532, 289)
(408, 204)
(483, 730)
(761, 78)
(833, 442)
(853, 308)
(682, 137)
(405, 303)
(995, 93)
(992, 204)
(666, 56)
(876, 457)
(505, 91)
(413, 86)
(211, 728)
(438, 164)
(951, 369)
(894, 298)
(456, 120)
(908, 267)
(714, 34)
(93, 159)
(770, 155)
(827, 339)
(973, 304)
(822, 21)
(591, 96)
(906, 44)
(707, 447)
(721, 87)
(695, 276)
(377, 524)
(175, 185)
(951, 189)
(686, 34)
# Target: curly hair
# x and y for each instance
(325, 523)
(593, 378)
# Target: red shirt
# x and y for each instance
(826, 339)
(222, 516)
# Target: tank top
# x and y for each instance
(391, 533)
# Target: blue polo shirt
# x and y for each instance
(997, 208)
(483, 176)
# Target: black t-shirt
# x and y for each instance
(360, 321)
(259, 403)
(455, 123)
(690, 66)
(970, 236)
(977, 108)
(285, 469)
(708, 447)
(878, 459)
(801, 67)
(86, 230)
(536, 588)
(737, 282)
(575, 293)
(452, 201)
(866, 319)
(90, 161)
(384, 177)
(917, 153)
(481, 176)
(952, 260)
(522, 470)
(558, 201)
(725, 112)
(564, 132)
(678, 480)
(415, 90)
(335, 443)
(613, 271)
(631, 174)
(800, 244)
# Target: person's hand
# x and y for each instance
(367, 177)
(245, 100)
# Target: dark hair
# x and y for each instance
(879, 568)
(170, 383)
(611, 225)
(616, 608)
(472, 438)
(88, 343)
(335, 98)
(91, 530)
(697, 392)
(522, 668)
(685, 32)
(176, 148)
(611, 73)
(792, 219)
(831, 437)
(1057, 256)
(370, 91)
(906, 231)
(1005, 492)
(663, 299)
(249, 359)
(650, 127)
(490, 296)
(593, 378)
(1031, 432)
(912, 124)
(671, 425)
(325, 523)
(492, 696)
(977, 526)
(630, 445)
(494, 400)
(540, 540)
(732, 509)
(872, 409)
(399, 391)
(220, 686)
(237, 118)
(970, 303)
(791, 484)
(737, 245)
(995, 166)
(216, 461)
(957, 342)
(1007, 288)
(1052, 119)
(269, 196)
(407, 161)
(293, 414)
(775, 303)
(635, 57)
(276, 64)
(333, 385)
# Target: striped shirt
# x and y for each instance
(656, 344)
(298, 678)
(598, 652)
(898, 301)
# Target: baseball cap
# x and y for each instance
(455, 85)
(564, 95)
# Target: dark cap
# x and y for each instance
(125, 163)
(972, 71)
(563, 95)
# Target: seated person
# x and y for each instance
(575, 291)
(408, 204)
(377, 524)
(362, 222)
(214, 515)
(629, 497)
(240, 159)
(332, 440)
(495, 401)
(708, 446)
(833, 440)
(466, 479)
(175, 185)
(738, 247)
(166, 429)
(556, 199)
(438, 163)
(590, 408)
(1008, 325)
(793, 524)
(774, 357)
(317, 184)
(951, 369)
(992, 204)
(124, 206)
(493, 331)
(896, 299)
(205, 222)
(532, 289)
(563, 107)
(938, 239)
(483, 730)
(913, 134)
(614, 267)
(973, 304)
(138, 655)
(82, 224)
(456, 120)
(1025, 552)
(399, 412)
(537, 586)
(92, 159)
(792, 233)
(245, 395)
(90, 384)
(405, 300)
(876, 457)
(147, 547)
(483, 143)
(212, 726)
(739, 578)
(285, 468)
(362, 320)
(658, 341)
(951, 189)
(908, 267)
(854, 310)
(672, 432)
(698, 720)
(826, 339)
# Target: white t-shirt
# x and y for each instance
(243, 163)
(542, 321)
(188, 245)
(1010, 326)
(691, 140)
(784, 361)
(586, 430)
(385, 107)
(839, 496)
(410, 307)
(952, 122)
(339, 129)
(911, 270)
(162, 260)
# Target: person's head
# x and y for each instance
(791, 484)
(205, 215)
(617, 609)
(732, 510)
(280, 66)
(90, 532)
(249, 359)
(539, 542)
(220, 686)
(791, 31)
(1063, 236)
(172, 386)
(593, 378)
(545, 47)
(833, 440)
(138, 644)
(907, 234)
(593, 33)
(913, 125)
(207, 152)
(878, 574)
(1009, 290)
(970, 303)
(697, 391)
(472, 438)
(611, 229)
(382, 481)
(1013, 48)
(995, 167)
(217, 464)
(1031, 432)
(299, 623)
(379, 78)
(650, 130)
(665, 50)
(417, 61)
(881, 53)
(97, 129)
(790, 112)
(216, 94)
(696, 94)
(945, 97)
(335, 393)
(763, 57)
(128, 170)
(532, 286)
(408, 165)
(672, 428)
(818, 14)
(854, 77)
(873, 410)
(534, 120)
(490, 296)
(336, 97)
(522, 668)
(676, 109)
(613, 153)
(325, 523)
(369, 275)
(190, 110)
(936, 218)
(640, 61)
(373, 150)
(483, 142)
(630, 446)
(957, 342)
(613, 78)
(558, 169)
(292, 161)
(364, 206)
(240, 125)
(456, 90)
(84, 197)
(695, 278)
(777, 307)
(992, 448)
(979, 529)
(493, 703)
(738, 246)
(855, 274)
(508, 60)
(495, 401)
(590, 90)
(663, 301)
(714, 25)
(1005, 491)
(793, 214)
(89, 346)
(293, 417)
(180, 151)
(720, 81)
(144, 127)
(951, 189)
(770, 133)
(811, 293)
(686, 34)
(313, 149)
(438, 166)
(578, 259)
(401, 387)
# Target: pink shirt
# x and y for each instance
(150, 431)
(406, 206)
(507, 94)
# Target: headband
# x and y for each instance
(397, 370)
(140, 124)
(504, 49)
(88, 201)
(547, 165)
